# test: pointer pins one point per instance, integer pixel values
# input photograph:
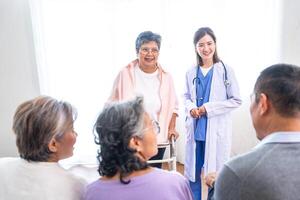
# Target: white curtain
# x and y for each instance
(82, 44)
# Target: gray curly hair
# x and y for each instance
(114, 128)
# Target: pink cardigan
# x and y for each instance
(123, 89)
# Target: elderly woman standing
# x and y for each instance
(144, 76)
(44, 135)
(127, 138)
(211, 93)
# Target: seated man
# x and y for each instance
(44, 135)
(271, 170)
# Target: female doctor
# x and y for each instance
(211, 93)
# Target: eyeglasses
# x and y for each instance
(155, 126)
(146, 50)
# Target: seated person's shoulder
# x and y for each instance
(8, 159)
(72, 178)
(170, 175)
(6, 162)
(242, 163)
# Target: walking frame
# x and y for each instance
(171, 159)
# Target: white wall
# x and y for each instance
(291, 32)
(18, 74)
(243, 134)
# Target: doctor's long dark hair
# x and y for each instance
(114, 128)
(200, 33)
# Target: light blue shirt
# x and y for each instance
(281, 137)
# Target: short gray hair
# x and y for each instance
(145, 37)
(281, 83)
(39, 120)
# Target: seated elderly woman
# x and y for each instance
(44, 135)
(127, 138)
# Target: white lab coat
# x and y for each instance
(219, 130)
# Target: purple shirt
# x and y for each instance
(157, 184)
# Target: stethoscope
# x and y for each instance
(198, 81)
(225, 77)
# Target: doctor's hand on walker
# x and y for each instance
(198, 112)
